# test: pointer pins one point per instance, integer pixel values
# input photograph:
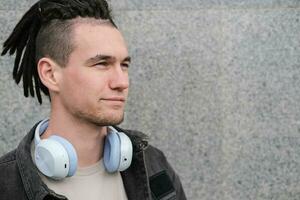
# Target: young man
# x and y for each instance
(72, 51)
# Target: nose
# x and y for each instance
(119, 79)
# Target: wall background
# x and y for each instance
(215, 83)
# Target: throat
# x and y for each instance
(89, 152)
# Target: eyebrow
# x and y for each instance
(99, 57)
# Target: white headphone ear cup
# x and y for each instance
(112, 153)
(51, 159)
(72, 165)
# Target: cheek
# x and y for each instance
(72, 85)
(83, 85)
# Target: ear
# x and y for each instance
(49, 73)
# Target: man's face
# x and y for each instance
(94, 84)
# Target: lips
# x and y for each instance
(116, 102)
(114, 99)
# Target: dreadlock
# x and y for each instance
(44, 31)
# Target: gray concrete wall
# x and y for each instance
(215, 83)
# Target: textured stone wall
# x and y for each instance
(215, 83)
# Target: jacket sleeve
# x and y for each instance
(156, 162)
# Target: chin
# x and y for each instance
(108, 120)
(102, 118)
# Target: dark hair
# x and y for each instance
(45, 30)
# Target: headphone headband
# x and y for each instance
(40, 129)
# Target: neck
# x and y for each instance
(86, 138)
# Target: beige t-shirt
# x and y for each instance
(89, 183)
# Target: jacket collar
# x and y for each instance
(139, 140)
(37, 190)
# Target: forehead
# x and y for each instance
(98, 37)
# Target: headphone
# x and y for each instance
(56, 157)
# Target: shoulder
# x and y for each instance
(8, 158)
(155, 159)
(156, 162)
(8, 166)
(10, 182)
(158, 167)
(140, 142)
(155, 155)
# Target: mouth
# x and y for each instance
(114, 99)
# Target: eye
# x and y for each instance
(125, 65)
(101, 64)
